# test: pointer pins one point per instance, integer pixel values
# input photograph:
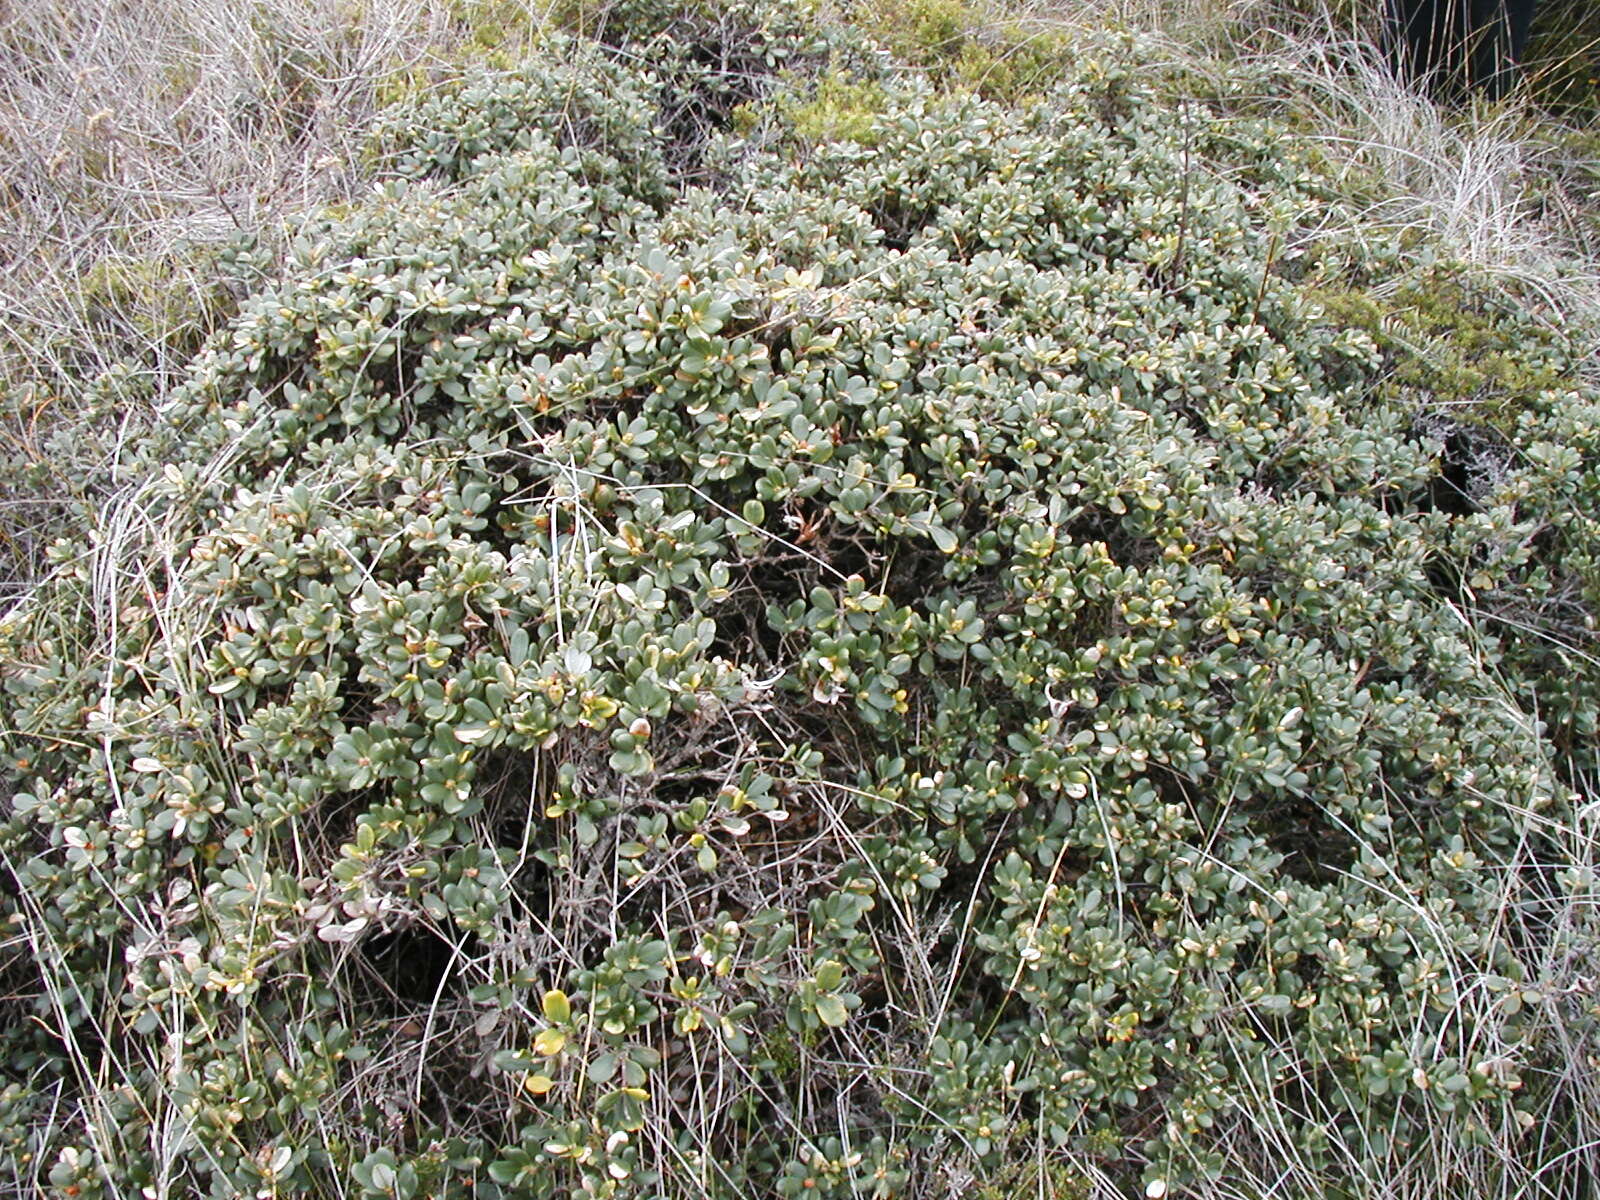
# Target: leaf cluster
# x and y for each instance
(943, 622)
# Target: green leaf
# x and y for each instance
(831, 1011)
(557, 1008)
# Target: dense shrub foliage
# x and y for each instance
(978, 651)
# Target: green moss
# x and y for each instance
(971, 45)
(621, 21)
(837, 110)
(1026, 1175)
(1453, 342)
(926, 31)
(499, 33)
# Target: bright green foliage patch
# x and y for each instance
(971, 46)
(936, 656)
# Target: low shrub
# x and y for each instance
(984, 652)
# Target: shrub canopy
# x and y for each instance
(972, 651)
